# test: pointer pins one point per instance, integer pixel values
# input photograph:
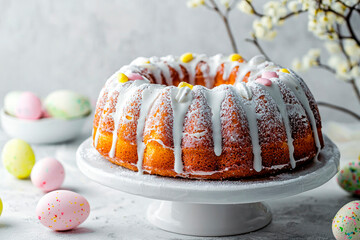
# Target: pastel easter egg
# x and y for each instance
(62, 210)
(264, 81)
(346, 222)
(28, 106)
(269, 75)
(11, 101)
(135, 76)
(18, 158)
(1, 206)
(67, 104)
(349, 178)
(48, 174)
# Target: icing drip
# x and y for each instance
(96, 139)
(182, 94)
(245, 92)
(180, 109)
(291, 81)
(250, 113)
(149, 95)
(275, 93)
(124, 92)
(215, 98)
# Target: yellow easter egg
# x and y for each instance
(186, 57)
(122, 78)
(235, 57)
(18, 158)
(184, 84)
(1, 206)
(284, 70)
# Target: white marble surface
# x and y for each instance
(117, 215)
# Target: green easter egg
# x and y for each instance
(66, 104)
(349, 178)
(18, 158)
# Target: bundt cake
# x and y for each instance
(202, 117)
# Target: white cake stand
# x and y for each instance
(209, 208)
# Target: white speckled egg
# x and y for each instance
(18, 158)
(48, 174)
(346, 222)
(62, 210)
(67, 104)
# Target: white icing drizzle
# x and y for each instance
(149, 95)
(274, 92)
(180, 109)
(215, 99)
(291, 81)
(182, 94)
(245, 91)
(97, 134)
(120, 104)
(250, 112)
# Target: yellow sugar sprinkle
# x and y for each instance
(122, 78)
(186, 57)
(185, 84)
(284, 70)
(235, 57)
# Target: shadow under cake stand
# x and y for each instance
(209, 208)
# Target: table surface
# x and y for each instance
(118, 215)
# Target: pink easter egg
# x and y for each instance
(264, 81)
(62, 210)
(269, 75)
(48, 174)
(135, 76)
(28, 106)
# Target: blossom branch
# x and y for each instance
(255, 41)
(225, 19)
(342, 109)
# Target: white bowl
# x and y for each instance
(42, 131)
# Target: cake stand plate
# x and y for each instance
(209, 208)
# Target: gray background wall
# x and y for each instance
(76, 44)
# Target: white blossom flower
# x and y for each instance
(293, 6)
(342, 71)
(262, 30)
(332, 47)
(275, 10)
(225, 3)
(338, 7)
(310, 59)
(352, 49)
(355, 72)
(296, 64)
(341, 67)
(245, 7)
(266, 22)
(195, 3)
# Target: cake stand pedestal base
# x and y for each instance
(208, 219)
